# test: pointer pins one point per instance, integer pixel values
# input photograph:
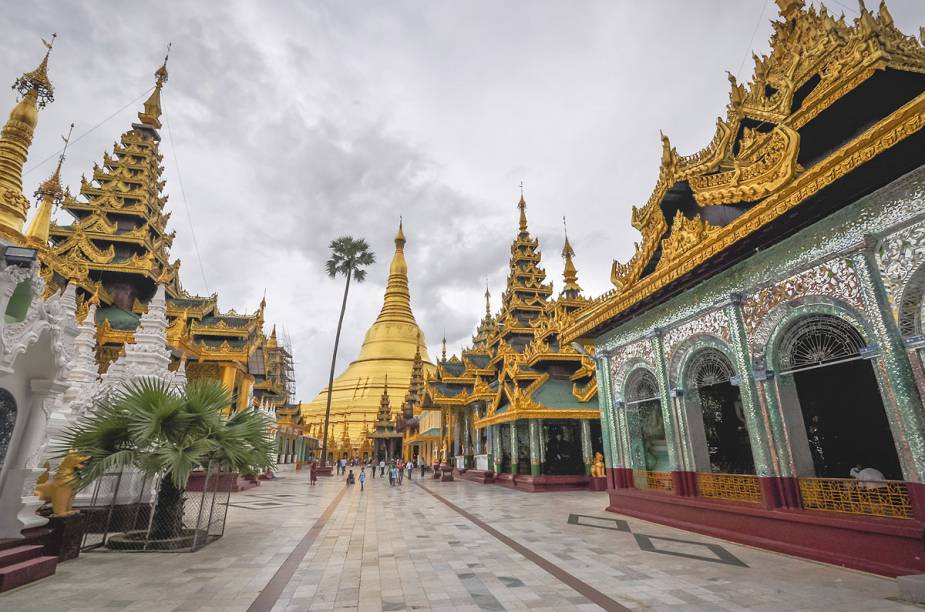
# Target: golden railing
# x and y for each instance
(657, 481)
(887, 498)
(733, 487)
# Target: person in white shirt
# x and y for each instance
(409, 467)
(381, 467)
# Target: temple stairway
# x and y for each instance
(24, 561)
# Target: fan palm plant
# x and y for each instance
(162, 430)
(348, 257)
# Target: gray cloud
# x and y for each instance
(295, 122)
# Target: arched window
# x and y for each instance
(7, 421)
(709, 367)
(641, 387)
(643, 402)
(838, 397)
(817, 340)
(709, 391)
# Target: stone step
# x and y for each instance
(24, 572)
(14, 555)
(36, 535)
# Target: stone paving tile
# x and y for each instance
(401, 548)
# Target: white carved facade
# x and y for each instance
(35, 345)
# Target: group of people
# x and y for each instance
(397, 470)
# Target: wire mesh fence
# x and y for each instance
(128, 513)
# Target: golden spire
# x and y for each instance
(487, 301)
(443, 352)
(522, 205)
(151, 116)
(272, 342)
(385, 405)
(570, 273)
(397, 304)
(49, 195)
(16, 137)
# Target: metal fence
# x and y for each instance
(126, 514)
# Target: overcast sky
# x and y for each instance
(292, 123)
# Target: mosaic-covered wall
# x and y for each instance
(859, 271)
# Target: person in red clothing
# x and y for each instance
(312, 473)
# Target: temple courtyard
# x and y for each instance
(429, 545)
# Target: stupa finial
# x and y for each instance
(151, 115)
(49, 194)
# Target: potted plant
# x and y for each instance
(167, 432)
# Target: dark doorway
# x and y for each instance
(7, 422)
(710, 376)
(846, 424)
(504, 431)
(563, 447)
(597, 438)
(845, 421)
(724, 425)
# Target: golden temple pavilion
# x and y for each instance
(761, 357)
(520, 406)
(116, 250)
(388, 352)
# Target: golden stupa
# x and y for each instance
(387, 354)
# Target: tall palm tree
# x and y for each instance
(348, 257)
(160, 430)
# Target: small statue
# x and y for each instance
(868, 478)
(597, 468)
(60, 491)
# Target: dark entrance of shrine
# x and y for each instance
(709, 380)
(7, 422)
(563, 447)
(840, 400)
(504, 431)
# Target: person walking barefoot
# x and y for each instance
(362, 479)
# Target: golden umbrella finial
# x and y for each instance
(37, 80)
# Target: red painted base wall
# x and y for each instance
(891, 547)
(542, 483)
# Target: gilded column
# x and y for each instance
(758, 432)
(467, 434)
(534, 447)
(495, 440)
(613, 458)
(668, 415)
(586, 453)
(514, 450)
(901, 396)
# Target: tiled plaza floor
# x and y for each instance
(404, 549)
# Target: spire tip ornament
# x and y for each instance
(36, 82)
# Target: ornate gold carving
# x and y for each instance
(685, 235)
(884, 134)
(765, 162)
(811, 52)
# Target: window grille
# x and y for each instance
(818, 340)
(641, 387)
(709, 367)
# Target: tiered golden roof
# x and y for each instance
(781, 143)
(516, 367)
(116, 251)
